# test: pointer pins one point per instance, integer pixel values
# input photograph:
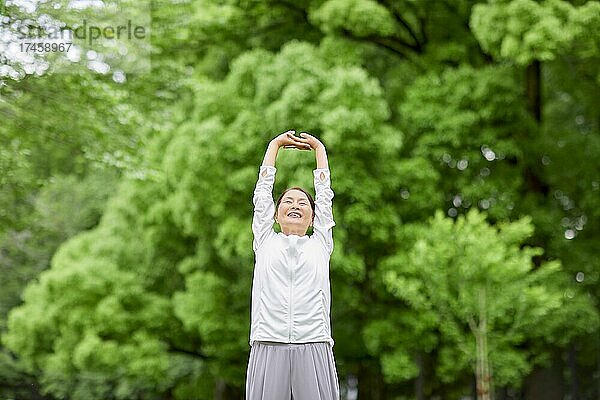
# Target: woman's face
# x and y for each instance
(294, 213)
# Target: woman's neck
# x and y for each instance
(292, 231)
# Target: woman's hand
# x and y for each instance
(312, 141)
(288, 139)
(319, 148)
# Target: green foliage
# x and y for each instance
(65, 205)
(468, 125)
(363, 17)
(57, 215)
(443, 276)
(418, 120)
(525, 30)
(88, 322)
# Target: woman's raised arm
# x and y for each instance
(264, 207)
(323, 223)
(318, 147)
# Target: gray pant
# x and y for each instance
(285, 371)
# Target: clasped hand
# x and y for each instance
(302, 142)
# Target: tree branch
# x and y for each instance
(174, 349)
(374, 39)
(418, 46)
(294, 7)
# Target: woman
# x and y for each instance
(291, 354)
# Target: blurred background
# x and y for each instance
(464, 148)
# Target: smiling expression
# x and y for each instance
(294, 214)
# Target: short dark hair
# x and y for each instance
(310, 199)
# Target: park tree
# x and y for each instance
(67, 135)
(193, 266)
(479, 293)
(421, 110)
(194, 263)
(554, 45)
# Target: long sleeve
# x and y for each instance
(323, 224)
(264, 207)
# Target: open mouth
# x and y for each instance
(294, 214)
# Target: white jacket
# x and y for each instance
(291, 296)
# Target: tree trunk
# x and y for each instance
(224, 391)
(598, 355)
(370, 381)
(573, 372)
(546, 383)
(484, 390)
(483, 373)
(502, 393)
(420, 381)
(533, 78)
(533, 88)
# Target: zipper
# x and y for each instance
(291, 302)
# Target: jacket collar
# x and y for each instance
(293, 239)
